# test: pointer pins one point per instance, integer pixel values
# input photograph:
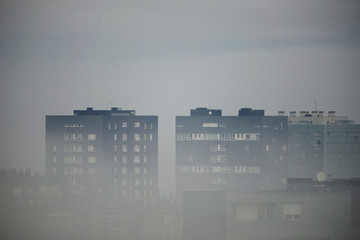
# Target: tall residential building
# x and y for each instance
(107, 153)
(323, 147)
(243, 152)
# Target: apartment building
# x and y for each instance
(104, 153)
(215, 152)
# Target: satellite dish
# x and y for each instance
(321, 176)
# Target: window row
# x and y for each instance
(136, 159)
(219, 136)
(136, 182)
(136, 137)
(124, 148)
(78, 148)
(263, 211)
(78, 171)
(218, 169)
(116, 125)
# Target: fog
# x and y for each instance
(166, 57)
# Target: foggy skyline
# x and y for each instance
(166, 57)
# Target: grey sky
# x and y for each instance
(165, 57)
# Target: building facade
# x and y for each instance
(111, 153)
(285, 215)
(215, 152)
(323, 147)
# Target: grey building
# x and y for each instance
(107, 153)
(323, 147)
(237, 215)
(215, 152)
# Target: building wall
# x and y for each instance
(215, 152)
(104, 153)
(323, 144)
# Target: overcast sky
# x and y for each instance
(165, 57)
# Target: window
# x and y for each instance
(115, 137)
(284, 148)
(91, 148)
(124, 137)
(124, 170)
(115, 125)
(54, 159)
(145, 171)
(124, 124)
(54, 148)
(246, 212)
(91, 159)
(137, 137)
(291, 212)
(136, 182)
(115, 148)
(246, 148)
(267, 148)
(91, 137)
(92, 171)
(115, 159)
(136, 170)
(136, 159)
(145, 148)
(124, 148)
(124, 159)
(136, 148)
(145, 159)
(124, 181)
(150, 137)
(136, 124)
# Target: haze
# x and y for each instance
(165, 57)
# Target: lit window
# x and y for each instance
(136, 148)
(292, 212)
(150, 137)
(136, 124)
(124, 137)
(115, 137)
(124, 148)
(92, 137)
(91, 148)
(267, 148)
(136, 137)
(124, 124)
(91, 159)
